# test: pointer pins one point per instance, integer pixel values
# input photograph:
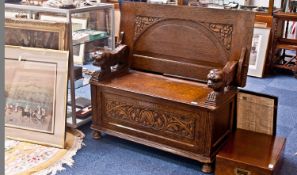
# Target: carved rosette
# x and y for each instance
(154, 119)
(143, 22)
(224, 33)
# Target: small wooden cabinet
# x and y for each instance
(250, 153)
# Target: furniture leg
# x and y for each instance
(96, 135)
(206, 168)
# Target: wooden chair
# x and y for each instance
(172, 83)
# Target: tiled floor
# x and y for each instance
(114, 156)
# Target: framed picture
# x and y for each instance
(77, 24)
(34, 33)
(256, 112)
(35, 93)
(258, 51)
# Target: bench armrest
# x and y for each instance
(220, 79)
(111, 62)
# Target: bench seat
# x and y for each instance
(183, 91)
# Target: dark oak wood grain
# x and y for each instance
(108, 59)
(175, 91)
(177, 37)
(250, 153)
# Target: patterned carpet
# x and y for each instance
(114, 156)
(24, 158)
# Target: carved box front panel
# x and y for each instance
(151, 117)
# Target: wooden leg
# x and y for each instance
(206, 168)
(96, 135)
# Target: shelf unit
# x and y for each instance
(280, 58)
(108, 9)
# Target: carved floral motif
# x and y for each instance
(223, 32)
(154, 119)
(143, 22)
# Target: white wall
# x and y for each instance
(263, 3)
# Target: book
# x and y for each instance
(87, 35)
(84, 113)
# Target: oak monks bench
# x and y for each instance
(171, 83)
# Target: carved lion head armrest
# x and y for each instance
(111, 62)
(219, 79)
(223, 80)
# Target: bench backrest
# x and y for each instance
(184, 41)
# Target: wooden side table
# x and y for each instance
(250, 153)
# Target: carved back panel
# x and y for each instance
(184, 41)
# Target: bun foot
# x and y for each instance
(206, 168)
(96, 135)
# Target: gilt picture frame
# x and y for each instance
(256, 112)
(35, 33)
(35, 93)
(77, 24)
(258, 51)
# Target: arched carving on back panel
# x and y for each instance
(210, 47)
(209, 42)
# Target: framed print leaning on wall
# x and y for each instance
(258, 51)
(256, 112)
(34, 33)
(35, 93)
(77, 24)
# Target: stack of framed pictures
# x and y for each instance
(35, 92)
(36, 71)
